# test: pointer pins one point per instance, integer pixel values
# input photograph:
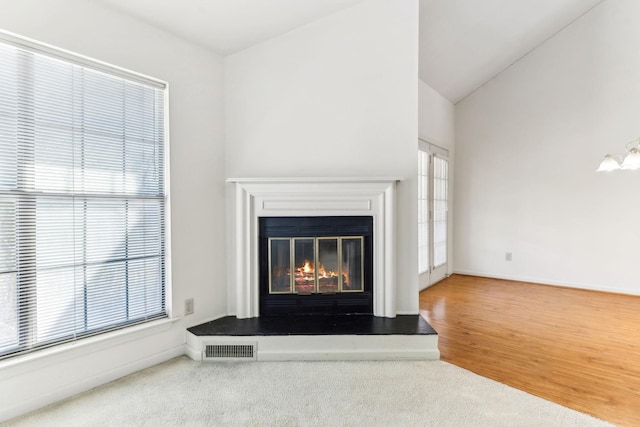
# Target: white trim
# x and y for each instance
(42, 358)
(425, 145)
(266, 197)
(316, 179)
(327, 347)
(75, 58)
(434, 273)
(168, 262)
(193, 353)
(542, 281)
(89, 383)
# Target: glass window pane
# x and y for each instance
(7, 235)
(280, 266)
(440, 210)
(8, 117)
(146, 295)
(352, 280)
(54, 233)
(105, 295)
(104, 235)
(55, 304)
(103, 165)
(304, 266)
(423, 211)
(8, 312)
(327, 265)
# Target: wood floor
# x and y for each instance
(578, 348)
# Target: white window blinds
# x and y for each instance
(82, 199)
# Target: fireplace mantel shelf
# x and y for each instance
(317, 179)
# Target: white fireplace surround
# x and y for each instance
(267, 197)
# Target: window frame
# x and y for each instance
(426, 182)
(164, 232)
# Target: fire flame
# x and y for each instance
(305, 276)
(306, 268)
(307, 271)
(324, 274)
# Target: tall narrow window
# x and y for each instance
(433, 195)
(82, 197)
(440, 209)
(423, 211)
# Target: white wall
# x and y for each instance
(197, 195)
(527, 146)
(436, 118)
(436, 125)
(337, 97)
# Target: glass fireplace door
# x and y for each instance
(303, 264)
(315, 265)
(320, 265)
(351, 264)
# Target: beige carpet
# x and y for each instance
(182, 392)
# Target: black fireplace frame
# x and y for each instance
(316, 226)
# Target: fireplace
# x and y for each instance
(333, 247)
(257, 200)
(319, 264)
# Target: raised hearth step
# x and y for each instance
(356, 324)
(318, 337)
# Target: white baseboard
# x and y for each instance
(544, 281)
(193, 353)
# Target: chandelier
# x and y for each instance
(631, 160)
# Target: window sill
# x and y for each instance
(64, 352)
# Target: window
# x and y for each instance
(433, 190)
(82, 197)
(423, 211)
(440, 209)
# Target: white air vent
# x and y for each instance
(229, 352)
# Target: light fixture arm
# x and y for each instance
(629, 161)
(630, 145)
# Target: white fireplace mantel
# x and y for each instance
(265, 197)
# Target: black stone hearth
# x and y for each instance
(315, 325)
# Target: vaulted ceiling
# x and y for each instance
(463, 43)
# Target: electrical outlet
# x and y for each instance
(507, 256)
(188, 306)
